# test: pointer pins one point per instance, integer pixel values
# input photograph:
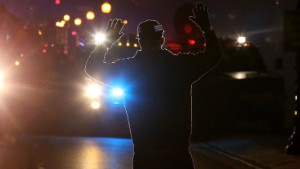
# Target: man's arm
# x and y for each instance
(213, 51)
(98, 63)
(95, 62)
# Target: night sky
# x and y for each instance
(228, 16)
(260, 20)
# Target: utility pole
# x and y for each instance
(292, 32)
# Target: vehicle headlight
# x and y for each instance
(95, 105)
(93, 91)
(241, 39)
(99, 38)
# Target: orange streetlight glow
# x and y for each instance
(90, 15)
(77, 21)
(67, 17)
(106, 7)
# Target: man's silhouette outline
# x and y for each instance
(158, 97)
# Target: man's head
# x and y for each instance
(150, 35)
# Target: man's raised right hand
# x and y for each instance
(113, 31)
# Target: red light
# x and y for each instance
(74, 33)
(191, 42)
(188, 28)
(46, 45)
(57, 2)
(44, 50)
(174, 47)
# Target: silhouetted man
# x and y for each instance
(158, 89)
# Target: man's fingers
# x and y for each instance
(114, 23)
(200, 7)
(193, 19)
(119, 25)
(109, 25)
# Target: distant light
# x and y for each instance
(63, 22)
(60, 24)
(40, 32)
(74, 33)
(77, 21)
(135, 45)
(191, 42)
(241, 39)
(239, 75)
(81, 44)
(67, 17)
(17, 63)
(44, 50)
(57, 2)
(46, 45)
(120, 44)
(106, 7)
(90, 15)
(127, 44)
(125, 21)
(95, 105)
(295, 113)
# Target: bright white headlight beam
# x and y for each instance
(93, 91)
(100, 38)
(241, 39)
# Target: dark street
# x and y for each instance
(84, 84)
(45, 152)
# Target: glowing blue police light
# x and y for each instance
(118, 92)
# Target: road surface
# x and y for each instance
(46, 152)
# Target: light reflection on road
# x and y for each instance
(66, 153)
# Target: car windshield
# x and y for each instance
(242, 59)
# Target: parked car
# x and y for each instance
(239, 95)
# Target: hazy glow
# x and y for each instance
(241, 39)
(17, 63)
(239, 75)
(77, 21)
(58, 24)
(95, 105)
(118, 92)
(67, 17)
(1, 81)
(100, 38)
(106, 7)
(93, 91)
(90, 15)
